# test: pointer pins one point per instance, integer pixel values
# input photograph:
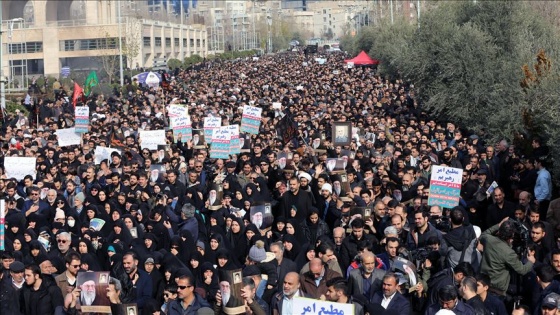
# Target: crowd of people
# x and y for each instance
(363, 234)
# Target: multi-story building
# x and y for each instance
(40, 37)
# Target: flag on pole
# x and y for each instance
(91, 81)
(78, 93)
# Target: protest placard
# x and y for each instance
(312, 306)
(251, 119)
(151, 138)
(18, 167)
(177, 111)
(2, 223)
(220, 143)
(234, 147)
(93, 292)
(181, 125)
(81, 114)
(102, 153)
(445, 186)
(211, 123)
(67, 137)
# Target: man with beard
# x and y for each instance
(88, 294)
(140, 279)
(367, 279)
(257, 219)
(282, 303)
(39, 295)
(301, 200)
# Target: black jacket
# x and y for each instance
(46, 300)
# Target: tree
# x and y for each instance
(466, 61)
(132, 40)
(108, 47)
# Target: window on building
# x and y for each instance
(22, 48)
(158, 41)
(184, 42)
(168, 42)
(191, 43)
(147, 41)
(198, 43)
(176, 42)
(89, 44)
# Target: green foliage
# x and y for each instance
(12, 106)
(466, 61)
(192, 60)
(174, 63)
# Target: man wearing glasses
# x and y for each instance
(35, 205)
(66, 281)
(188, 302)
(57, 256)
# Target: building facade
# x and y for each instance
(42, 37)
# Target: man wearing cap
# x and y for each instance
(550, 305)
(16, 274)
(158, 285)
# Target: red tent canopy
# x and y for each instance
(362, 59)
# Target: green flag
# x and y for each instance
(91, 81)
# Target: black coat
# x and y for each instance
(46, 300)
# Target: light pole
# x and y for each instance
(2, 80)
(120, 43)
(269, 22)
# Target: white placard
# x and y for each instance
(350, 65)
(68, 137)
(102, 153)
(151, 138)
(18, 167)
(177, 111)
(311, 307)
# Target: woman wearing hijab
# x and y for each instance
(216, 224)
(262, 187)
(89, 262)
(252, 192)
(216, 243)
(278, 229)
(194, 265)
(239, 199)
(224, 260)
(179, 249)
(120, 234)
(35, 251)
(73, 224)
(131, 225)
(293, 227)
(209, 281)
(237, 239)
(293, 249)
(313, 227)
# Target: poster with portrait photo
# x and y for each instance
(336, 164)
(261, 215)
(230, 288)
(339, 187)
(162, 151)
(245, 142)
(365, 212)
(198, 139)
(215, 196)
(285, 160)
(318, 144)
(93, 295)
(348, 156)
(130, 309)
(342, 177)
(341, 133)
(156, 173)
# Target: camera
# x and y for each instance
(441, 223)
(520, 237)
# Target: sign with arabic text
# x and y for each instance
(445, 186)
(251, 120)
(211, 123)
(181, 125)
(306, 306)
(220, 143)
(81, 119)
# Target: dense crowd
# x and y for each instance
(362, 234)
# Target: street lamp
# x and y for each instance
(120, 43)
(269, 23)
